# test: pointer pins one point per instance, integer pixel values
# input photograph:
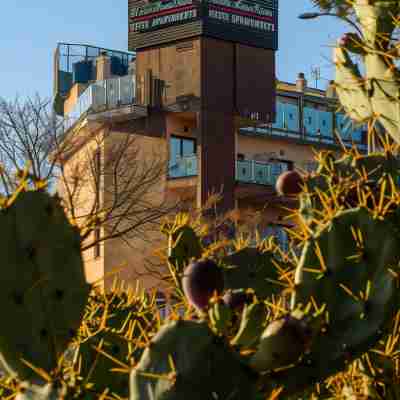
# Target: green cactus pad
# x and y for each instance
(184, 245)
(254, 318)
(94, 357)
(44, 291)
(282, 343)
(349, 268)
(185, 361)
(252, 268)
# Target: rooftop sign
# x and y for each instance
(233, 20)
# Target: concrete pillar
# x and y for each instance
(103, 67)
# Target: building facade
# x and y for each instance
(209, 104)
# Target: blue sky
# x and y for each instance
(29, 33)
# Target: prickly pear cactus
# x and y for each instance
(29, 391)
(347, 182)
(183, 243)
(375, 96)
(351, 278)
(99, 356)
(44, 290)
(252, 268)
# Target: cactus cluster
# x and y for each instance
(246, 322)
(374, 96)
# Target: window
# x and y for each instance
(182, 157)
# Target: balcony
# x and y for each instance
(261, 173)
(255, 180)
(311, 126)
(247, 171)
(102, 96)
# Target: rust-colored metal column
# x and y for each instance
(216, 136)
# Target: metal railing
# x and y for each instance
(267, 130)
(101, 96)
(263, 173)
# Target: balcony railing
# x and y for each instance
(248, 171)
(311, 137)
(183, 167)
(102, 95)
(262, 173)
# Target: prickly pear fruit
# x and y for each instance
(44, 290)
(236, 299)
(201, 280)
(289, 183)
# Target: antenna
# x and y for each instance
(316, 74)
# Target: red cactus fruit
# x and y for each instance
(289, 183)
(200, 280)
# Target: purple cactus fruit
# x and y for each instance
(289, 183)
(236, 299)
(200, 280)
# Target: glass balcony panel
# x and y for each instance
(127, 89)
(183, 166)
(112, 87)
(292, 117)
(310, 121)
(244, 171)
(262, 173)
(191, 165)
(277, 169)
(258, 172)
(325, 123)
(280, 109)
(101, 95)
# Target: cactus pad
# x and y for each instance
(44, 291)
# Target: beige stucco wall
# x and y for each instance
(134, 254)
(251, 146)
(73, 96)
(84, 198)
